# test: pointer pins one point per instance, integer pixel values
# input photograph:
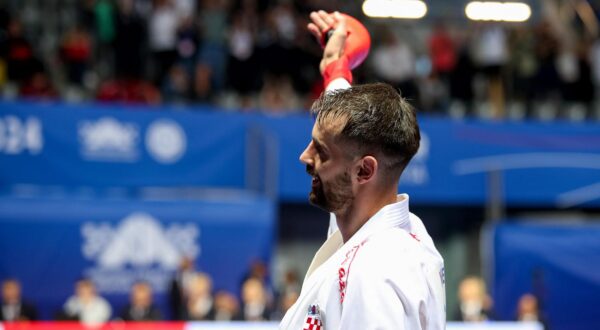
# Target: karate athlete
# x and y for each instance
(379, 268)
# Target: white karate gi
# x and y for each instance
(387, 276)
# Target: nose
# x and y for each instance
(306, 156)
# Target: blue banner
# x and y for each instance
(545, 164)
(48, 244)
(560, 264)
(110, 147)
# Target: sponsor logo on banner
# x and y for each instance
(19, 135)
(108, 139)
(416, 173)
(137, 248)
(166, 141)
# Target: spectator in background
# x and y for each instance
(38, 86)
(104, 16)
(442, 51)
(288, 294)
(4, 20)
(76, 52)
(260, 270)
(105, 21)
(200, 303)
(528, 310)
(546, 80)
(491, 46)
(393, 62)
(285, 302)
(255, 305)
(18, 53)
(210, 71)
(141, 306)
(176, 87)
(277, 94)
(86, 305)
(179, 287)
(595, 64)
(277, 50)
(13, 307)
(227, 307)
(242, 67)
(130, 41)
(162, 33)
(307, 55)
(461, 79)
(86, 15)
(186, 8)
(188, 41)
(4, 17)
(291, 283)
(474, 302)
(578, 92)
(523, 66)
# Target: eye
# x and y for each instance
(318, 148)
(322, 154)
(320, 151)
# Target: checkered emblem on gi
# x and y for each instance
(313, 319)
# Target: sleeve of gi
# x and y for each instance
(338, 83)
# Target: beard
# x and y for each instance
(333, 195)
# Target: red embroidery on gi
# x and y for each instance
(343, 273)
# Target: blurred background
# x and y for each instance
(149, 155)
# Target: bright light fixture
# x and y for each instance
(498, 11)
(408, 9)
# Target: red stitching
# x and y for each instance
(343, 273)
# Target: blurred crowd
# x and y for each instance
(191, 297)
(475, 304)
(545, 69)
(257, 54)
(245, 54)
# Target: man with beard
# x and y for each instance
(379, 268)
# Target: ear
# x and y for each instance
(367, 169)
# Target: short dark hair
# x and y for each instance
(11, 280)
(378, 121)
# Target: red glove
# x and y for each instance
(357, 43)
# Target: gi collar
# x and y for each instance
(389, 216)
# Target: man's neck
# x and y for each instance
(354, 216)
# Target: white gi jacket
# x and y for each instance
(387, 276)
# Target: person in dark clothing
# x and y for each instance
(130, 42)
(13, 307)
(141, 306)
(178, 288)
(18, 53)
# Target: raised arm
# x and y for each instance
(346, 44)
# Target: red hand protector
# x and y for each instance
(357, 44)
(337, 69)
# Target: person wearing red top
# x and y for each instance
(76, 52)
(442, 51)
